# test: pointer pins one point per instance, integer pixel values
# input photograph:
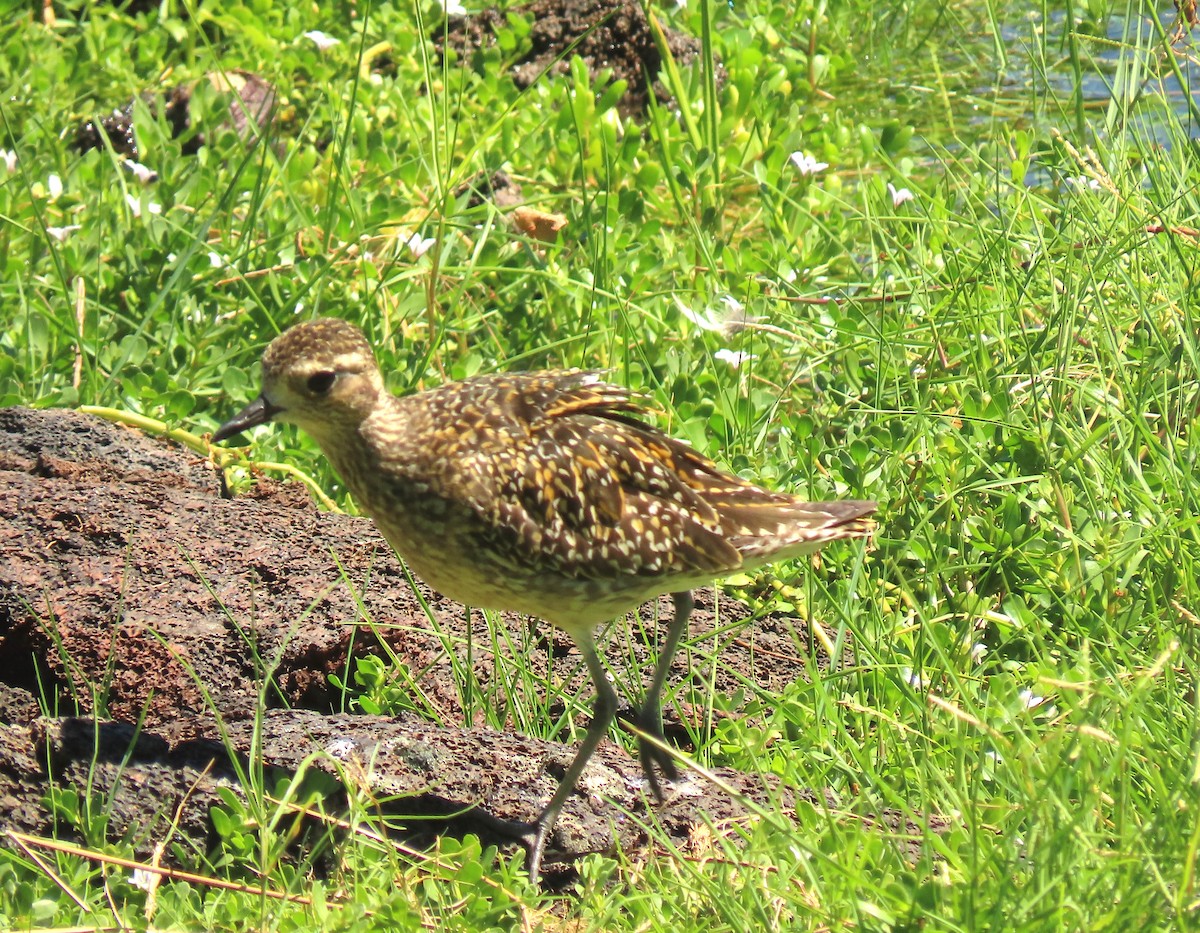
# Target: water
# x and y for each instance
(1089, 79)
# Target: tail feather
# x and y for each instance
(759, 529)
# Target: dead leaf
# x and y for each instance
(539, 224)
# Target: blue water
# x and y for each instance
(1125, 75)
(955, 76)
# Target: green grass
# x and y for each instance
(1008, 363)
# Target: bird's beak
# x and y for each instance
(260, 411)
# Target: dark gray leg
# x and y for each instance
(650, 716)
(602, 717)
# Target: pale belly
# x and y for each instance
(569, 603)
(450, 563)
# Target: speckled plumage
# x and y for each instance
(542, 493)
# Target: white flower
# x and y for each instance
(704, 321)
(978, 650)
(61, 233)
(10, 160)
(215, 260)
(1030, 699)
(899, 195)
(912, 678)
(734, 358)
(806, 164)
(322, 41)
(144, 176)
(1082, 181)
(146, 880)
(54, 187)
(724, 324)
(419, 245)
(135, 206)
(455, 8)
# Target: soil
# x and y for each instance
(251, 112)
(611, 37)
(162, 617)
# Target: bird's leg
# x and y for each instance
(603, 713)
(649, 718)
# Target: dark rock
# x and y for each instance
(128, 586)
(606, 34)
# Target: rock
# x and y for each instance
(130, 588)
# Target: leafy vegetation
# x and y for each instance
(939, 254)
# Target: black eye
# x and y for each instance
(320, 383)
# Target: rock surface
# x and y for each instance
(155, 620)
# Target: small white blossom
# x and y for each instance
(1030, 699)
(61, 233)
(724, 324)
(144, 175)
(215, 260)
(135, 206)
(323, 42)
(734, 358)
(912, 678)
(419, 245)
(146, 880)
(899, 195)
(1082, 181)
(705, 321)
(455, 8)
(806, 164)
(54, 187)
(978, 650)
(10, 160)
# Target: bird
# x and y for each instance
(546, 493)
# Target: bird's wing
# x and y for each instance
(566, 475)
(563, 474)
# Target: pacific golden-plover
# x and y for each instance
(541, 493)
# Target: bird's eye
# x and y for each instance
(320, 383)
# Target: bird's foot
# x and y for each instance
(531, 836)
(653, 752)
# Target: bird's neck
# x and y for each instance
(354, 447)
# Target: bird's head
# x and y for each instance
(320, 375)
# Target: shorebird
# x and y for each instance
(544, 493)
